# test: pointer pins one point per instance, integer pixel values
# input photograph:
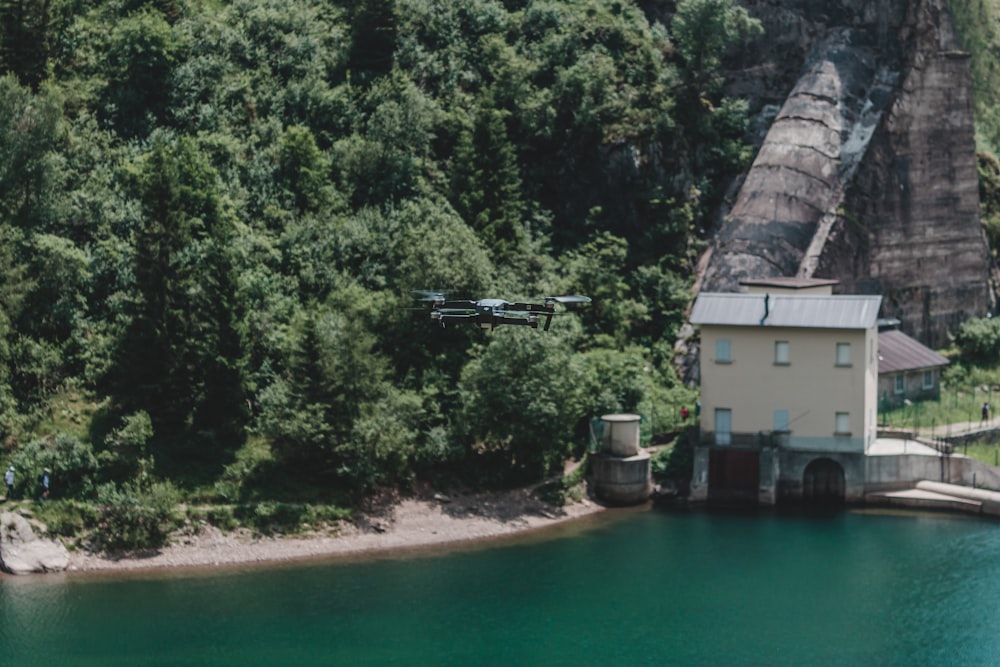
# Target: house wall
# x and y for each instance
(913, 387)
(811, 387)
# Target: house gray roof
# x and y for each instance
(898, 352)
(836, 311)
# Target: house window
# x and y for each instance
(722, 350)
(723, 426)
(843, 354)
(842, 423)
(928, 382)
(781, 421)
(781, 352)
(899, 383)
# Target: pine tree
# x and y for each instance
(486, 186)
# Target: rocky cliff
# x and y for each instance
(866, 170)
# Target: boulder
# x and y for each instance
(23, 552)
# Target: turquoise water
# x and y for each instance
(630, 588)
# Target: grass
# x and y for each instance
(963, 392)
(987, 452)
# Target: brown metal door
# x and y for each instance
(733, 474)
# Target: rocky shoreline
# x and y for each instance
(403, 524)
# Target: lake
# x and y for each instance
(624, 588)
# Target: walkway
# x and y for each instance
(939, 495)
(959, 429)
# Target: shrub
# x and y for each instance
(72, 462)
(979, 340)
(223, 517)
(66, 518)
(134, 517)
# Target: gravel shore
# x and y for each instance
(401, 525)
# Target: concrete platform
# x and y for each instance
(925, 499)
(895, 447)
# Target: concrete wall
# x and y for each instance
(793, 467)
(811, 387)
(902, 471)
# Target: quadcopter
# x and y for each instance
(491, 313)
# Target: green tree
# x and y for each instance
(704, 31)
(303, 171)
(24, 40)
(522, 400)
(374, 29)
(486, 185)
(141, 56)
(30, 131)
(180, 358)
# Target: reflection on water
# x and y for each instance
(630, 588)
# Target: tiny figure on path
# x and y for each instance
(45, 480)
(986, 411)
(684, 413)
(8, 479)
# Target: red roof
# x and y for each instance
(898, 352)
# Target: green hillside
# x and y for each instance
(212, 216)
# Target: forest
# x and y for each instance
(213, 216)
(214, 213)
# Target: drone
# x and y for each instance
(491, 313)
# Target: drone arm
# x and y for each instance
(522, 321)
(531, 307)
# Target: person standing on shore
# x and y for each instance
(45, 480)
(8, 479)
(986, 412)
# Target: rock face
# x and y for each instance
(22, 552)
(867, 172)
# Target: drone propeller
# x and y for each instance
(570, 298)
(428, 295)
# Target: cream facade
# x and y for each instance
(815, 389)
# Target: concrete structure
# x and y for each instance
(820, 286)
(907, 370)
(866, 170)
(621, 472)
(788, 395)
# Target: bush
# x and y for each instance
(133, 517)
(72, 462)
(223, 518)
(677, 464)
(979, 340)
(275, 517)
(66, 518)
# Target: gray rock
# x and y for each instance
(23, 552)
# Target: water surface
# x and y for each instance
(633, 588)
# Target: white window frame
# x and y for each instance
(723, 351)
(927, 381)
(843, 354)
(899, 383)
(782, 353)
(842, 423)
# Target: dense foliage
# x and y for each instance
(212, 216)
